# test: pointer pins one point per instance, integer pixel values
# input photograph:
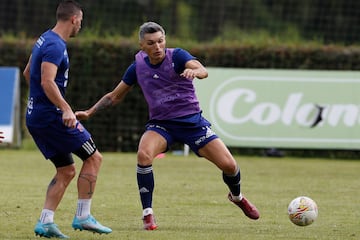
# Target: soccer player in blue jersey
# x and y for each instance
(53, 125)
(166, 76)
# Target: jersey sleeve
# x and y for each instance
(129, 76)
(180, 58)
(53, 53)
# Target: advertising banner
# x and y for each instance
(283, 108)
(10, 104)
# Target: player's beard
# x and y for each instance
(75, 32)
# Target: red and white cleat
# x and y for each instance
(247, 207)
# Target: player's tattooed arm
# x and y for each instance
(103, 103)
(110, 99)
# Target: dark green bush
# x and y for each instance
(98, 65)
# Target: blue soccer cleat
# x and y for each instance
(48, 230)
(90, 224)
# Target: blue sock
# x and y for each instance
(145, 179)
(233, 182)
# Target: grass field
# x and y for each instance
(190, 198)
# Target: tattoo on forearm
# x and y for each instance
(91, 180)
(105, 102)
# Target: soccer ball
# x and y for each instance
(302, 211)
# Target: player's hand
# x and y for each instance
(82, 115)
(188, 73)
(69, 119)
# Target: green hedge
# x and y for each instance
(98, 65)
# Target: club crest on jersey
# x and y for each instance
(80, 127)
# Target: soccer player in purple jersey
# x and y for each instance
(165, 76)
(53, 125)
(1, 137)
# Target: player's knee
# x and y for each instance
(98, 156)
(95, 159)
(144, 158)
(67, 173)
(231, 167)
(70, 176)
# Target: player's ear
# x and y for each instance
(73, 19)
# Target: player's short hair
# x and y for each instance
(149, 27)
(66, 9)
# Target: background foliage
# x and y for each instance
(97, 66)
(326, 20)
(283, 34)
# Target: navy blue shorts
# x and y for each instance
(58, 140)
(193, 130)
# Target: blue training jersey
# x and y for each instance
(50, 47)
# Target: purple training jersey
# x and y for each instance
(167, 93)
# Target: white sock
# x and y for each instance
(237, 198)
(47, 216)
(147, 211)
(83, 208)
